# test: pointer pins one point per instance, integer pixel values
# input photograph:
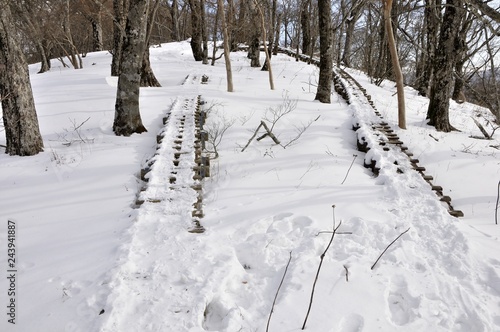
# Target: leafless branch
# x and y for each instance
(383, 252)
(279, 287)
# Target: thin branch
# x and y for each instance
(277, 291)
(383, 252)
(337, 233)
(319, 269)
(481, 128)
(355, 156)
(496, 207)
(251, 138)
(346, 274)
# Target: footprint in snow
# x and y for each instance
(402, 306)
(351, 323)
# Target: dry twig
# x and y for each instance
(383, 252)
(319, 269)
(277, 291)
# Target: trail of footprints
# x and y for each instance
(178, 157)
(386, 136)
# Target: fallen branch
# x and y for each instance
(434, 138)
(355, 156)
(268, 133)
(277, 291)
(346, 274)
(383, 252)
(251, 138)
(338, 233)
(481, 128)
(317, 273)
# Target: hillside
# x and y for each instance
(90, 257)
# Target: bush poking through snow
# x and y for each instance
(216, 126)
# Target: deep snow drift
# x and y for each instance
(89, 260)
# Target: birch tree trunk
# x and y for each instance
(127, 116)
(19, 114)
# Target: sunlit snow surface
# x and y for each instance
(89, 261)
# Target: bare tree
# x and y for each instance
(255, 33)
(196, 29)
(444, 62)
(354, 13)
(127, 115)
(27, 11)
(432, 17)
(395, 64)
(326, 60)
(19, 114)
(148, 78)
(305, 25)
(266, 49)
(229, 73)
(120, 9)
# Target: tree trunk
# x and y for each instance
(325, 46)
(461, 59)
(229, 73)
(204, 33)
(174, 13)
(148, 78)
(438, 111)
(214, 36)
(353, 17)
(196, 30)
(97, 40)
(432, 15)
(127, 115)
(232, 28)
(395, 64)
(254, 44)
(266, 50)
(36, 33)
(19, 114)
(120, 8)
(305, 26)
(270, 40)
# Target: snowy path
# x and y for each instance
(225, 279)
(146, 284)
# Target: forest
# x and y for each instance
(444, 49)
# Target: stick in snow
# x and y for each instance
(276, 296)
(355, 156)
(268, 133)
(496, 207)
(383, 252)
(317, 273)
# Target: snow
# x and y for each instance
(90, 259)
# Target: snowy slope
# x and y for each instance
(89, 259)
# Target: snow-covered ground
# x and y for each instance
(88, 259)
